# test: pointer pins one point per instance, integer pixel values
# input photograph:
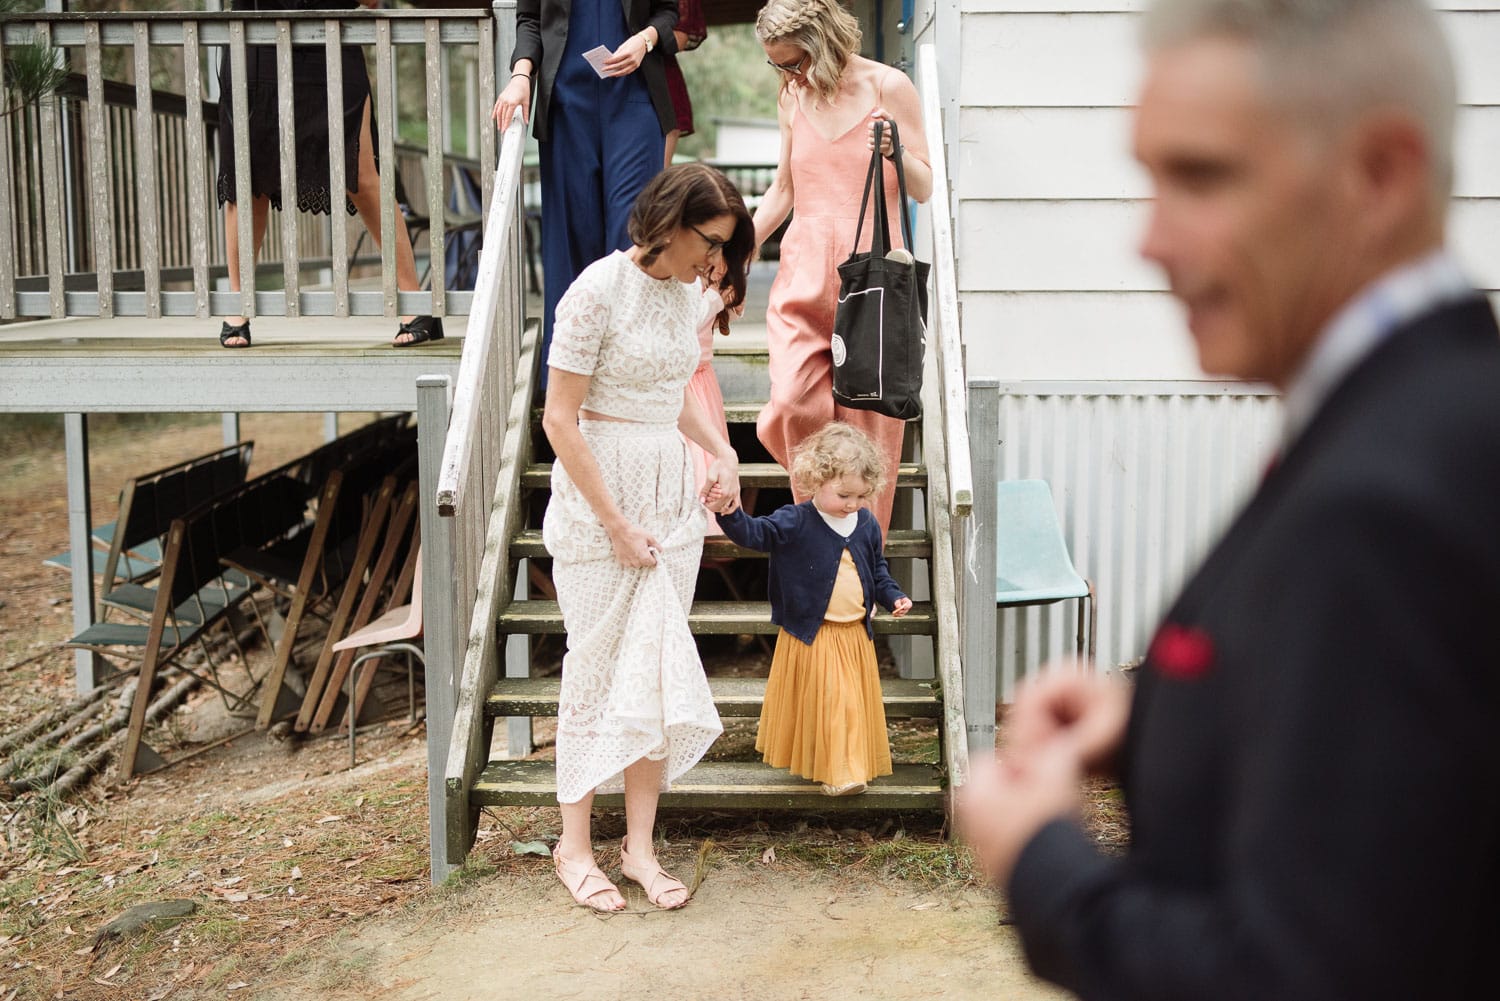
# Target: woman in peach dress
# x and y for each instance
(831, 97)
(704, 384)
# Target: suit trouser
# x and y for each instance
(595, 163)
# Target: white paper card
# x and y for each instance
(596, 57)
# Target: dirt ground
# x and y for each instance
(310, 880)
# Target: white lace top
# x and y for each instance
(635, 335)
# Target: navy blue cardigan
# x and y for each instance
(805, 555)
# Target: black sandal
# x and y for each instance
(242, 331)
(421, 329)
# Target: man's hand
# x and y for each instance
(1005, 803)
(1085, 712)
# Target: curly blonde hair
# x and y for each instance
(837, 450)
(823, 29)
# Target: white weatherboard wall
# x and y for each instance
(1049, 210)
(1050, 205)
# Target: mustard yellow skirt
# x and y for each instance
(822, 716)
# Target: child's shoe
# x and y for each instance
(847, 789)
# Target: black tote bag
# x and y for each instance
(880, 327)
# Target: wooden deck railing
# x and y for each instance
(945, 446)
(105, 188)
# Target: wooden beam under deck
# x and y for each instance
(175, 365)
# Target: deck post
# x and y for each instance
(981, 662)
(87, 665)
(444, 650)
(518, 737)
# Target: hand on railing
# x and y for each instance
(515, 97)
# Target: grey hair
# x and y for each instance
(1333, 60)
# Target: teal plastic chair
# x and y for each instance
(1032, 566)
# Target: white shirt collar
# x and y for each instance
(1365, 321)
(843, 524)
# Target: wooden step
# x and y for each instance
(904, 698)
(722, 785)
(734, 618)
(902, 544)
(734, 413)
(538, 475)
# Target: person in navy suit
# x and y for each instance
(600, 133)
(1310, 752)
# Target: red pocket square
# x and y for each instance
(1181, 653)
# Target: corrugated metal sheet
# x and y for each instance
(1145, 476)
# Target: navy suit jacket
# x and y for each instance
(542, 35)
(1312, 763)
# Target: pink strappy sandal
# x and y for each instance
(651, 876)
(585, 881)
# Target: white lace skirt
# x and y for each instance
(632, 682)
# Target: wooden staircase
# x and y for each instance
(714, 784)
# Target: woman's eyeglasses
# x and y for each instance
(714, 246)
(790, 69)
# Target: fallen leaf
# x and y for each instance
(531, 848)
(113, 970)
(238, 985)
(235, 898)
(296, 872)
(926, 905)
(330, 820)
(85, 951)
(768, 856)
(231, 881)
(286, 842)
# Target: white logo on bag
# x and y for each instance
(839, 354)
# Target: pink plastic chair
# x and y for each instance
(391, 633)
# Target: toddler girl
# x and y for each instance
(822, 716)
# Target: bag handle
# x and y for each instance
(880, 241)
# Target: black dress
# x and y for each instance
(310, 114)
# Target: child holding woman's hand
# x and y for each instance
(823, 717)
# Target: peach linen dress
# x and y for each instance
(704, 385)
(828, 179)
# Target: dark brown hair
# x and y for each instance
(691, 194)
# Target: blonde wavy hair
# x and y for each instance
(823, 29)
(837, 451)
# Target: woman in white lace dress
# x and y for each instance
(625, 523)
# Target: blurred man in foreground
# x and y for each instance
(1311, 751)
